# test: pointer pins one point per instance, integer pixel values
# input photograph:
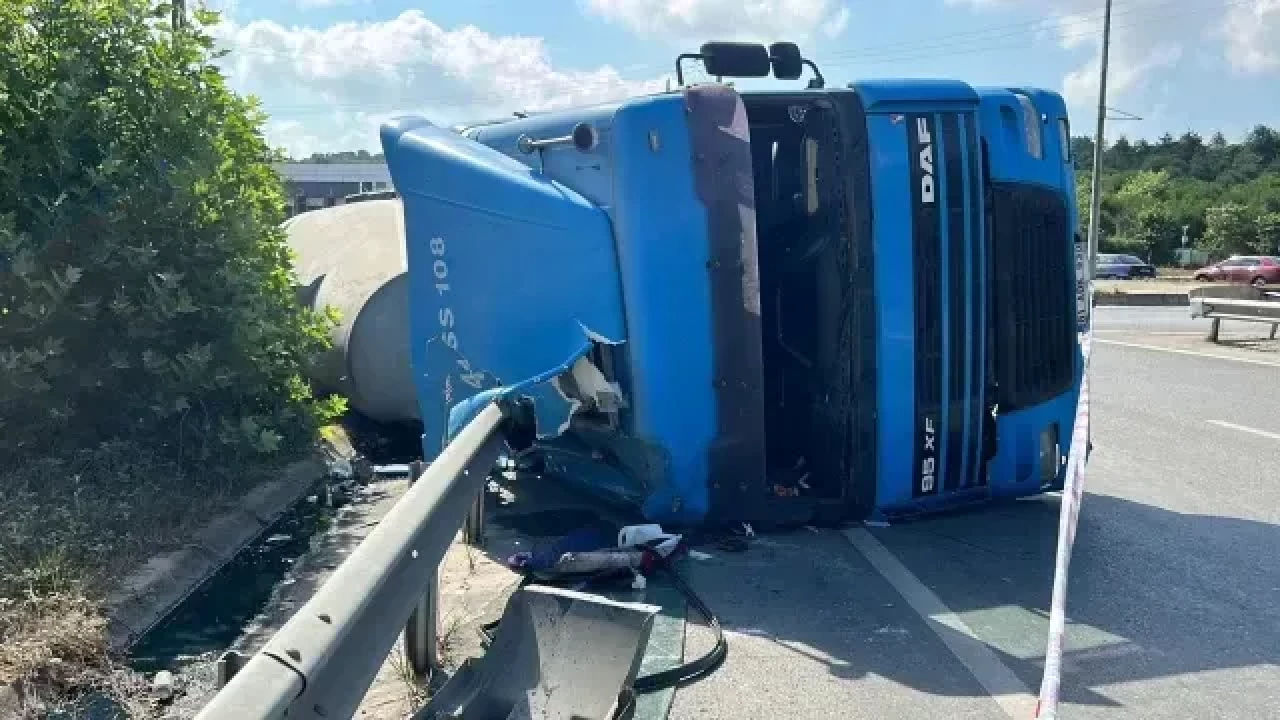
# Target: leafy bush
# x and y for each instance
(1123, 245)
(146, 292)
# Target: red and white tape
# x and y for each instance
(1072, 491)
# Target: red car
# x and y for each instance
(1252, 269)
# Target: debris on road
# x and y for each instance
(162, 686)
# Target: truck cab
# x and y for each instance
(762, 307)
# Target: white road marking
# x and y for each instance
(1130, 331)
(1010, 693)
(1193, 353)
(1246, 429)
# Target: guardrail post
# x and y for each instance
(228, 665)
(322, 662)
(1212, 335)
(473, 529)
(421, 644)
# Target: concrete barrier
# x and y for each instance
(151, 592)
(1102, 299)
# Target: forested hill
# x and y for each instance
(346, 156)
(1226, 194)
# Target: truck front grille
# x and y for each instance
(1032, 295)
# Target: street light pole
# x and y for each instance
(1095, 189)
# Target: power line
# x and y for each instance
(893, 50)
(986, 48)
(906, 53)
(1009, 30)
(1121, 114)
(962, 43)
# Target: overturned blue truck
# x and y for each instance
(756, 307)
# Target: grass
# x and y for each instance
(418, 692)
(53, 646)
(72, 529)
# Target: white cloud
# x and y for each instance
(329, 88)
(1149, 38)
(701, 20)
(312, 4)
(1143, 42)
(1080, 86)
(837, 23)
(1251, 32)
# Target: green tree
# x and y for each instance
(1147, 188)
(1268, 239)
(346, 156)
(1230, 228)
(1264, 143)
(149, 292)
(1158, 234)
(1119, 157)
(1142, 193)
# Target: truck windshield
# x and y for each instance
(807, 243)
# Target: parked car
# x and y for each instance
(1252, 269)
(1123, 267)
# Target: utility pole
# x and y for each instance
(1099, 140)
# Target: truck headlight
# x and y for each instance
(1050, 454)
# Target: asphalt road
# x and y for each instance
(1172, 607)
(1149, 320)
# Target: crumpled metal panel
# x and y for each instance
(512, 275)
(557, 655)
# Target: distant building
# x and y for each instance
(317, 185)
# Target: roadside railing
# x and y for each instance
(1235, 302)
(322, 662)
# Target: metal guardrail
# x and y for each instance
(322, 662)
(1235, 302)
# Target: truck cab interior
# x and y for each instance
(809, 312)
(797, 242)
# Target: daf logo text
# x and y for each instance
(925, 138)
(928, 466)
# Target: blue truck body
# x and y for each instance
(762, 307)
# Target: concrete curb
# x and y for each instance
(152, 591)
(1111, 299)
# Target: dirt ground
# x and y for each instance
(473, 590)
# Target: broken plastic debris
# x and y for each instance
(599, 561)
(594, 385)
(341, 469)
(162, 685)
(363, 468)
(663, 542)
(633, 535)
(395, 470)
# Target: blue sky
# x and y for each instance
(329, 71)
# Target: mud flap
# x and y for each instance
(557, 655)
